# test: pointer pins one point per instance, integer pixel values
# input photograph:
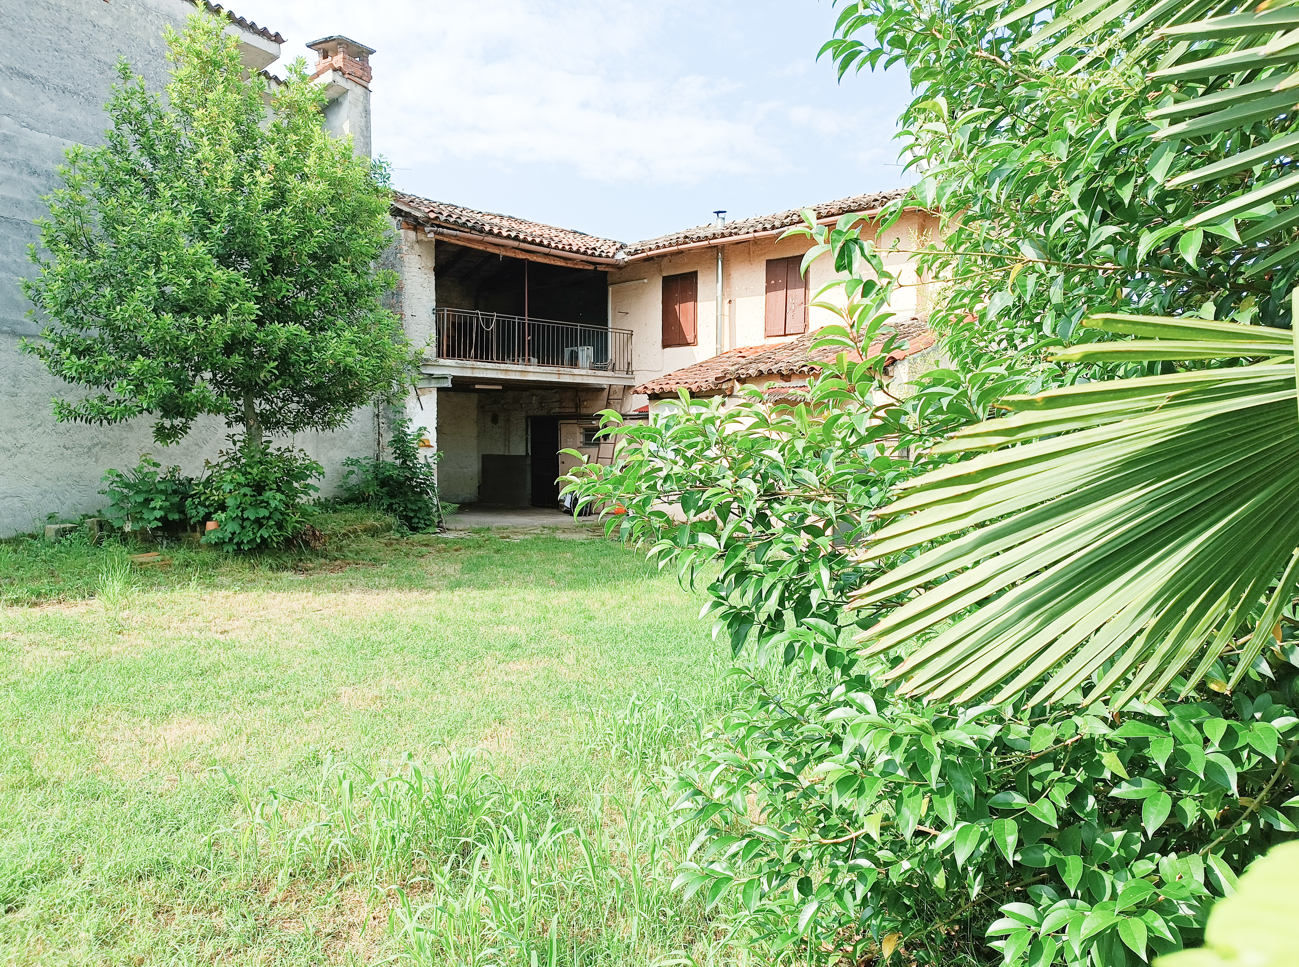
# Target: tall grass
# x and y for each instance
(114, 586)
(476, 873)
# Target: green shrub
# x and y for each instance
(853, 822)
(845, 815)
(405, 487)
(148, 498)
(255, 496)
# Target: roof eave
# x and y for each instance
(436, 226)
(719, 240)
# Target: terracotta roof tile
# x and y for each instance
(716, 375)
(592, 246)
(240, 22)
(766, 223)
(506, 226)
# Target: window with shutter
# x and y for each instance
(786, 313)
(679, 300)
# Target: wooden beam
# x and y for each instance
(453, 260)
(518, 250)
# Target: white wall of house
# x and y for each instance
(457, 440)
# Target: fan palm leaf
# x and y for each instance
(1117, 533)
(1230, 66)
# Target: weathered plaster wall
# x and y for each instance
(457, 440)
(639, 307)
(53, 87)
(348, 112)
(418, 283)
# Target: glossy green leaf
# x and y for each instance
(1005, 833)
(1154, 811)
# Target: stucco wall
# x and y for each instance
(639, 307)
(53, 87)
(457, 440)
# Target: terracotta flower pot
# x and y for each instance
(211, 526)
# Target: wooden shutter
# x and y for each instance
(679, 298)
(672, 335)
(776, 283)
(795, 297)
(686, 305)
(786, 313)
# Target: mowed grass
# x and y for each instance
(197, 756)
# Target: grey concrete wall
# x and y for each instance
(54, 83)
(457, 440)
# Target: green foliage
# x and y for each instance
(255, 496)
(850, 818)
(1257, 925)
(405, 486)
(1079, 158)
(209, 258)
(148, 498)
(1111, 553)
(843, 814)
(1049, 137)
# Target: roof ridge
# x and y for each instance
(513, 218)
(575, 240)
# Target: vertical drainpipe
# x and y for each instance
(721, 221)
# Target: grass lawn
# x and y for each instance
(201, 760)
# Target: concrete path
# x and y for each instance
(471, 516)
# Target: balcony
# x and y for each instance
(474, 343)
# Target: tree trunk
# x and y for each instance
(252, 427)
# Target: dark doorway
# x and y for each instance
(543, 444)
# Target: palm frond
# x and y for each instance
(1113, 532)
(1230, 67)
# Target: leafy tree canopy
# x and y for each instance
(214, 257)
(1105, 170)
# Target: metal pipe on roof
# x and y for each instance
(717, 321)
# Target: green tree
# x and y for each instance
(854, 820)
(1107, 160)
(1111, 576)
(217, 257)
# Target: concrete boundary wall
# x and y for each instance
(62, 56)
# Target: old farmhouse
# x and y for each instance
(526, 330)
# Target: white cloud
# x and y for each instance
(617, 91)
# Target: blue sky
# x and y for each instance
(617, 117)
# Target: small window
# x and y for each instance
(589, 438)
(679, 297)
(786, 297)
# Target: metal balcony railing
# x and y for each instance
(494, 337)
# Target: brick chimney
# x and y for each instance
(343, 66)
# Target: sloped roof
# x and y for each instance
(785, 359)
(240, 22)
(566, 240)
(765, 223)
(506, 226)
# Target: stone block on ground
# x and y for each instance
(56, 532)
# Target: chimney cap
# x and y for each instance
(349, 46)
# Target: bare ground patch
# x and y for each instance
(126, 749)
